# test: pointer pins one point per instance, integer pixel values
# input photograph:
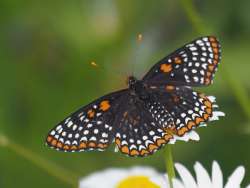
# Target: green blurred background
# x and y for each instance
(45, 53)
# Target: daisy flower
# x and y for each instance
(135, 177)
(203, 180)
(147, 177)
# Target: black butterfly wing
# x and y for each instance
(189, 109)
(194, 64)
(139, 132)
(89, 128)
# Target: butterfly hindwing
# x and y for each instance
(89, 128)
(138, 132)
(189, 109)
(194, 64)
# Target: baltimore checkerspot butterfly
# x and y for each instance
(151, 111)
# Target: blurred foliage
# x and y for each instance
(45, 51)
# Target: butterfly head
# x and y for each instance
(132, 82)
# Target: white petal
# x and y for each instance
(216, 115)
(177, 184)
(217, 177)
(192, 135)
(172, 141)
(182, 138)
(236, 178)
(248, 186)
(186, 176)
(203, 179)
(212, 98)
(215, 106)
(161, 181)
(203, 125)
(213, 118)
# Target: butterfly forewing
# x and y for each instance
(194, 64)
(89, 128)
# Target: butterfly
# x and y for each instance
(151, 111)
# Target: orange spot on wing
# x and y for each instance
(59, 145)
(172, 128)
(100, 145)
(134, 152)
(125, 149)
(54, 142)
(209, 74)
(177, 60)
(170, 88)
(82, 145)
(66, 147)
(73, 147)
(215, 62)
(209, 110)
(144, 152)
(152, 147)
(216, 50)
(118, 142)
(211, 67)
(208, 103)
(206, 116)
(198, 120)
(49, 139)
(166, 68)
(91, 113)
(182, 131)
(207, 81)
(167, 137)
(214, 44)
(92, 144)
(160, 141)
(104, 106)
(216, 56)
(190, 124)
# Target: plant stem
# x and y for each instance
(193, 16)
(169, 165)
(48, 166)
(238, 91)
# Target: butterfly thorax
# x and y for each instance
(137, 88)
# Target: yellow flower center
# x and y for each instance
(137, 182)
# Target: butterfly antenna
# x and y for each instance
(120, 73)
(117, 74)
(93, 63)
